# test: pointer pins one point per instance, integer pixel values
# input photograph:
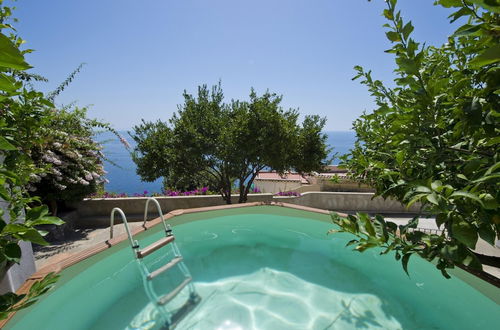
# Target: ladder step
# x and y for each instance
(155, 246)
(164, 268)
(169, 296)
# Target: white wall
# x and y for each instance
(275, 186)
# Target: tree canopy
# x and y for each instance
(434, 139)
(209, 141)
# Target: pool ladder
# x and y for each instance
(170, 318)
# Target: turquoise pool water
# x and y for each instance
(256, 268)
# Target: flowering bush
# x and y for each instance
(69, 161)
(200, 191)
(168, 192)
(288, 193)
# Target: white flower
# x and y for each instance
(31, 188)
(60, 186)
(50, 157)
(88, 176)
(83, 182)
(35, 178)
(55, 171)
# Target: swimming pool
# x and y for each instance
(263, 267)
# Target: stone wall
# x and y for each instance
(348, 202)
(96, 212)
(275, 186)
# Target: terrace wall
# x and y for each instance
(95, 212)
(348, 202)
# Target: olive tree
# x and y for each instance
(434, 139)
(209, 141)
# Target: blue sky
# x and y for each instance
(141, 55)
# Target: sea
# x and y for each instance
(122, 174)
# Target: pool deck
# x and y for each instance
(87, 238)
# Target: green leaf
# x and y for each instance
(415, 199)
(12, 252)
(393, 36)
(465, 233)
(491, 5)
(388, 14)
(407, 30)
(433, 198)
(10, 56)
(489, 56)
(441, 218)
(37, 212)
(487, 233)
(404, 262)
(32, 235)
(6, 145)
(466, 195)
(14, 228)
(450, 3)
(436, 185)
(466, 30)
(367, 223)
(493, 168)
(46, 221)
(407, 65)
(8, 84)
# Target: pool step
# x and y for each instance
(155, 246)
(164, 268)
(171, 295)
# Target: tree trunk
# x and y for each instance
(243, 197)
(245, 189)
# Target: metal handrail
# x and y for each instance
(158, 208)
(124, 219)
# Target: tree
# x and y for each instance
(434, 139)
(223, 143)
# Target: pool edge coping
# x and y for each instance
(59, 265)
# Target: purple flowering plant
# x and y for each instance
(288, 194)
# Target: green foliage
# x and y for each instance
(434, 137)
(12, 302)
(209, 141)
(22, 114)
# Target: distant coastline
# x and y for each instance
(124, 179)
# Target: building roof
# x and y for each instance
(334, 169)
(277, 177)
